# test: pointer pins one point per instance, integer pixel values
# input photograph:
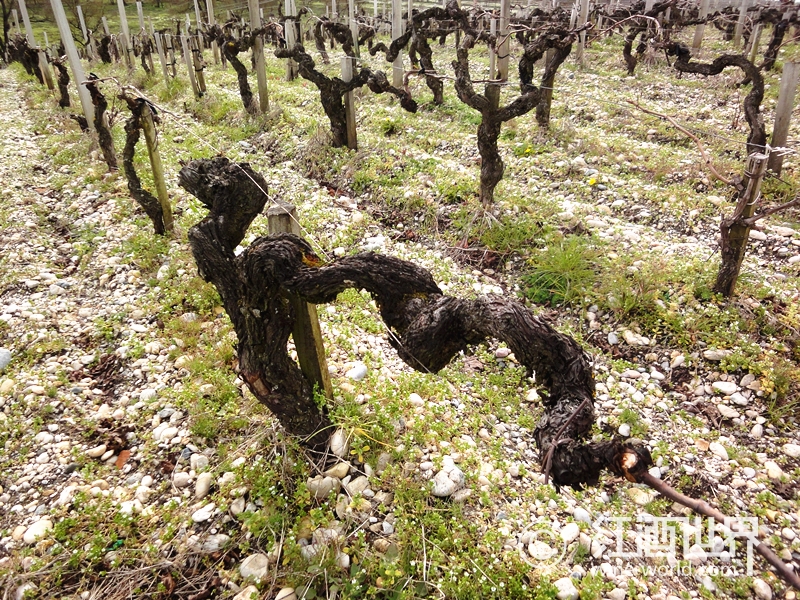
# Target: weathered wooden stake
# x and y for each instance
(737, 33)
(44, 67)
(397, 31)
(783, 113)
(196, 45)
(348, 64)
(74, 61)
(162, 58)
(306, 333)
(584, 14)
(125, 36)
(151, 137)
(492, 53)
(755, 39)
(82, 24)
(291, 39)
(699, 31)
(16, 20)
(187, 57)
(105, 26)
(211, 22)
(258, 53)
(170, 49)
(140, 14)
(503, 50)
(197, 16)
(354, 23)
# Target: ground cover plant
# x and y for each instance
(137, 463)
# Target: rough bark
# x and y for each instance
(771, 53)
(757, 138)
(492, 115)
(100, 124)
(641, 27)
(427, 328)
(559, 40)
(423, 48)
(249, 285)
(332, 90)
(148, 202)
(103, 49)
(63, 83)
(319, 42)
(230, 49)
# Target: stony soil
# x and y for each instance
(90, 421)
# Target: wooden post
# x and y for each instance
(82, 22)
(258, 53)
(197, 16)
(354, 23)
(162, 58)
(44, 67)
(503, 50)
(125, 36)
(755, 39)
(397, 31)
(306, 332)
(697, 42)
(78, 75)
(738, 233)
(783, 113)
(140, 14)
(170, 49)
(196, 45)
(150, 136)
(584, 14)
(212, 20)
(291, 38)
(105, 26)
(348, 64)
(492, 53)
(187, 57)
(16, 20)
(737, 34)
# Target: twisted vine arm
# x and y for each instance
(427, 328)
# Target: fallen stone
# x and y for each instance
(254, 568)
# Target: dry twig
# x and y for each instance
(695, 139)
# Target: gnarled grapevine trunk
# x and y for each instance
(249, 285)
(492, 115)
(63, 83)
(101, 124)
(230, 49)
(427, 328)
(332, 90)
(752, 102)
(148, 202)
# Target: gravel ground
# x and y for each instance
(86, 420)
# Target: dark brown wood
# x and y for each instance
(735, 230)
(149, 203)
(249, 285)
(63, 83)
(643, 27)
(101, 123)
(757, 138)
(306, 332)
(332, 90)
(492, 115)
(704, 508)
